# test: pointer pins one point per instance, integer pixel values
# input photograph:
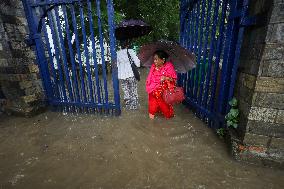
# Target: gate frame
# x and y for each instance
(35, 40)
(238, 20)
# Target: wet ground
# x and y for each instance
(56, 150)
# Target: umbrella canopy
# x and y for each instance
(128, 29)
(182, 59)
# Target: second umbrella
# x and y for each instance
(128, 29)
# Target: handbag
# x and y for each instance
(174, 96)
(134, 67)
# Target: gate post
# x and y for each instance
(19, 76)
(260, 88)
(40, 54)
(113, 56)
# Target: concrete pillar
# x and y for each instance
(260, 88)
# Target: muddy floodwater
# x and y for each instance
(65, 151)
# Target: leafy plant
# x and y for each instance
(221, 132)
(232, 117)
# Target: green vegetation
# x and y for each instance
(162, 15)
(232, 117)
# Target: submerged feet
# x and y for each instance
(131, 104)
(151, 116)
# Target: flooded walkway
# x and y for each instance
(53, 150)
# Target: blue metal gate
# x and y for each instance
(75, 48)
(213, 30)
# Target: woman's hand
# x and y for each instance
(163, 78)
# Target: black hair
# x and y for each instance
(124, 44)
(161, 54)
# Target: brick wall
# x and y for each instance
(260, 87)
(19, 75)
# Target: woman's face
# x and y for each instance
(158, 61)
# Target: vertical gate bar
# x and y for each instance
(72, 57)
(237, 55)
(192, 24)
(46, 47)
(55, 81)
(182, 37)
(215, 53)
(192, 15)
(184, 78)
(182, 40)
(58, 64)
(40, 53)
(218, 53)
(74, 23)
(191, 44)
(186, 37)
(200, 37)
(196, 48)
(195, 32)
(208, 21)
(179, 79)
(113, 55)
(225, 66)
(94, 53)
(183, 20)
(63, 51)
(43, 66)
(188, 46)
(102, 49)
(212, 52)
(86, 51)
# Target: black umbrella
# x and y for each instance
(128, 29)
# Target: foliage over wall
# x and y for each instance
(162, 15)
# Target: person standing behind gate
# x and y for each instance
(126, 76)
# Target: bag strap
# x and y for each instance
(129, 57)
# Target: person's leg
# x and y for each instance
(125, 89)
(166, 109)
(153, 106)
(133, 93)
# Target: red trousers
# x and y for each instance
(159, 105)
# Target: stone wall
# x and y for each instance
(19, 75)
(260, 87)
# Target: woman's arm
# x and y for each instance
(134, 57)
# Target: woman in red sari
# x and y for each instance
(162, 76)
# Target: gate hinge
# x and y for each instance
(29, 40)
(259, 19)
